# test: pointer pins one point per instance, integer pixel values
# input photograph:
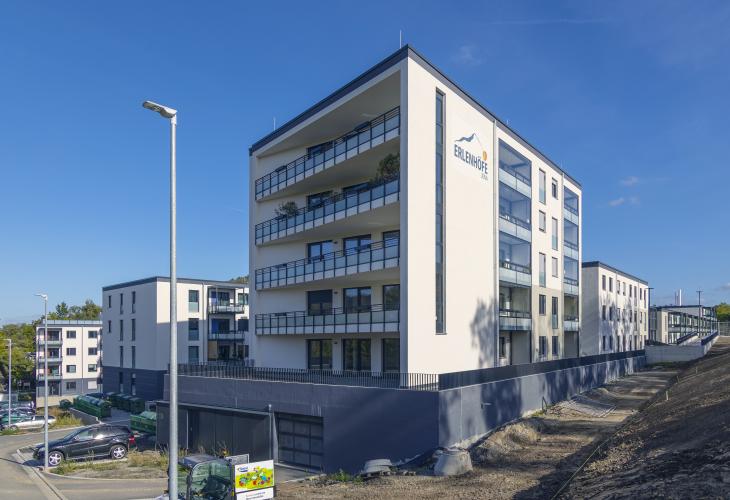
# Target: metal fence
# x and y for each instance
(723, 328)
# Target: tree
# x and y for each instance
(23, 337)
(240, 279)
(723, 311)
(61, 311)
(388, 168)
(88, 311)
(288, 209)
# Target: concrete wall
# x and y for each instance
(148, 383)
(677, 353)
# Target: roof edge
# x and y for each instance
(166, 279)
(598, 263)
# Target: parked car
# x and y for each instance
(14, 410)
(31, 422)
(16, 417)
(103, 440)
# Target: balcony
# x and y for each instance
(510, 320)
(515, 226)
(570, 249)
(227, 335)
(51, 360)
(51, 376)
(228, 307)
(515, 180)
(51, 342)
(571, 214)
(511, 272)
(571, 324)
(331, 209)
(570, 286)
(365, 137)
(373, 319)
(377, 256)
(571, 203)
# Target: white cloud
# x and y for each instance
(617, 202)
(468, 55)
(630, 181)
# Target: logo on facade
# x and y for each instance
(477, 161)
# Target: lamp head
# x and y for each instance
(159, 108)
(42, 295)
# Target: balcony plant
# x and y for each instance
(288, 209)
(388, 169)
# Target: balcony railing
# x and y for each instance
(511, 313)
(572, 246)
(515, 174)
(330, 209)
(228, 307)
(372, 257)
(515, 220)
(50, 342)
(570, 281)
(513, 266)
(51, 376)
(368, 319)
(227, 335)
(379, 130)
(571, 323)
(570, 209)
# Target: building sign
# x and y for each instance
(255, 481)
(469, 150)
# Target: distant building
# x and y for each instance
(615, 310)
(670, 323)
(74, 359)
(212, 326)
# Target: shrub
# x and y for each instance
(388, 168)
(288, 209)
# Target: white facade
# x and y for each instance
(136, 322)
(668, 324)
(351, 281)
(615, 310)
(74, 359)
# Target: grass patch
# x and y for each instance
(10, 432)
(341, 477)
(149, 458)
(66, 468)
(65, 419)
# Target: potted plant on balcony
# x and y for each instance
(388, 169)
(288, 209)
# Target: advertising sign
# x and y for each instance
(255, 481)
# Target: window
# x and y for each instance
(109, 326)
(631, 290)
(121, 303)
(134, 384)
(355, 244)
(193, 301)
(319, 302)
(555, 267)
(319, 354)
(541, 180)
(542, 221)
(542, 346)
(93, 351)
(623, 287)
(193, 329)
(356, 354)
(121, 329)
(193, 354)
(134, 329)
(70, 351)
(93, 368)
(316, 250)
(93, 334)
(121, 381)
(317, 199)
(70, 368)
(71, 334)
(610, 284)
(603, 282)
(556, 346)
(603, 312)
(357, 299)
(70, 386)
(109, 301)
(391, 297)
(391, 238)
(610, 313)
(134, 301)
(391, 355)
(440, 178)
(242, 324)
(543, 305)
(121, 356)
(554, 313)
(242, 299)
(542, 270)
(555, 234)
(502, 347)
(604, 342)
(555, 189)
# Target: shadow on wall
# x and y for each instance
(484, 333)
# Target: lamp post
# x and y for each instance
(171, 114)
(700, 323)
(10, 378)
(45, 379)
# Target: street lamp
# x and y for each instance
(171, 114)
(45, 379)
(10, 377)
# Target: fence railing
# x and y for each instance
(515, 173)
(331, 153)
(513, 266)
(290, 322)
(685, 338)
(709, 338)
(514, 220)
(229, 307)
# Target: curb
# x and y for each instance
(37, 476)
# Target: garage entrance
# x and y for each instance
(300, 440)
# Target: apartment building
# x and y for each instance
(669, 324)
(212, 326)
(399, 226)
(74, 359)
(615, 310)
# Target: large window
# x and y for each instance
(71, 334)
(70, 351)
(391, 355)
(543, 265)
(193, 301)
(193, 329)
(440, 279)
(70, 368)
(556, 346)
(134, 329)
(134, 356)
(319, 302)
(555, 267)
(319, 354)
(555, 189)
(391, 297)
(193, 354)
(502, 347)
(93, 351)
(542, 346)
(555, 234)
(121, 329)
(134, 301)
(315, 200)
(542, 304)
(355, 244)
(356, 354)
(603, 282)
(541, 180)
(554, 313)
(357, 299)
(542, 221)
(316, 250)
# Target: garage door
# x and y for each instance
(300, 440)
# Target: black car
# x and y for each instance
(103, 440)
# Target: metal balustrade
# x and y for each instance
(227, 335)
(373, 257)
(374, 318)
(228, 307)
(381, 129)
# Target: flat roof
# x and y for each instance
(71, 322)
(598, 263)
(405, 52)
(229, 284)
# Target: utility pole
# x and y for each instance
(10, 378)
(45, 379)
(699, 311)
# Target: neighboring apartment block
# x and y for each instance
(74, 359)
(212, 319)
(399, 226)
(615, 310)
(668, 324)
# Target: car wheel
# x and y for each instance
(55, 458)
(13, 427)
(118, 452)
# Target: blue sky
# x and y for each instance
(629, 97)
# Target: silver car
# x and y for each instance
(34, 422)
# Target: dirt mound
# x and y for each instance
(511, 438)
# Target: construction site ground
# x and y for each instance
(647, 446)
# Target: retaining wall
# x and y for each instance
(679, 353)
